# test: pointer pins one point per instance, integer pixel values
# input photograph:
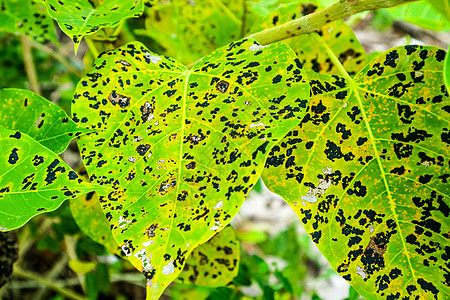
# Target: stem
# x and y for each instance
(29, 64)
(315, 21)
(44, 281)
(52, 275)
(56, 55)
(91, 46)
(70, 249)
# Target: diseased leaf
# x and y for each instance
(33, 180)
(78, 18)
(338, 35)
(26, 17)
(188, 31)
(442, 6)
(182, 148)
(89, 216)
(214, 263)
(37, 117)
(367, 171)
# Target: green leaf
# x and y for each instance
(37, 117)
(89, 216)
(421, 13)
(214, 263)
(188, 31)
(442, 6)
(182, 148)
(338, 35)
(367, 173)
(33, 180)
(81, 267)
(78, 18)
(26, 17)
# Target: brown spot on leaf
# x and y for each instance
(222, 86)
(116, 98)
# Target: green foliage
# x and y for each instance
(78, 18)
(168, 143)
(28, 18)
(37, 117)
(375, 192)
(443, 6)
(423, 13)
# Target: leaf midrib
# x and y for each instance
(354, 86)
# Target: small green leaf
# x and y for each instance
(81, 267)
(78, 18)
(367, 173)
(214, 263)
(37, 117)
(182, 148)
(33, 180)
(338, 35)
(26, 17)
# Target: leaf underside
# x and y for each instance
(214, 263)
(78, 18)
(182, 148)
(367, 171)
(34, 180)
(37, 117)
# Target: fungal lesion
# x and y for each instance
(123, 62)
(116, 98)
(150, 231)
(324, 184)
(360, 271)
(222, 86)
(147, 111)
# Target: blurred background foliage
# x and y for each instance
(56, 260)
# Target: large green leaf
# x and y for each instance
(188, 31)
(214, 263)
(34, 115)
(442, 6)
(367, 171)
(338, 35)
(26, 17)
(78, 18)
(182, 148)
(33, 180)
